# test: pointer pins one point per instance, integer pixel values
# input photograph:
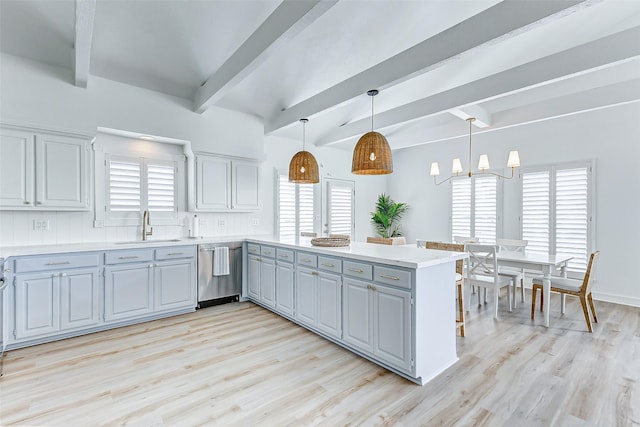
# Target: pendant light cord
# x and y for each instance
(470, 121)
(303, 135)
(372, 113)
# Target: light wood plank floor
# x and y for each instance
(239, 364)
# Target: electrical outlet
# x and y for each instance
(255, 221)
(41, 225)
(222, 222)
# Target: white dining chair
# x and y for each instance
(516, 274)
(482, 271)
(465, 239)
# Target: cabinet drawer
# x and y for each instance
(56, 262)
(284, 255)
(252, 248)
(392, 276)
(136, 255)
(175, 252)
(268, 251)
(357, 269)
(330, 264)
(307, 259)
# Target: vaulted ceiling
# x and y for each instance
(435, 62)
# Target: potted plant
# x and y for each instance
(386, 220)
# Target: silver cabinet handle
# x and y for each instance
(63, 275)
(175, 253)
(150, 265)
(356, 270)
(58, 263)
(373, 288)
(326, 264)
(128, 257)
(305, 260)
(284, 256)
(314, 273)
(384, 276)
(26, 203)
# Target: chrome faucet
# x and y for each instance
(146, 221)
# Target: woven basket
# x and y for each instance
(330, 241)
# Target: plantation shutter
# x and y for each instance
(124, 186)
(485, 208)
(295, 208)
(536, 211)
(572, 216)
(161, 188)
(461, 208)
(340, 207)
(556, 212)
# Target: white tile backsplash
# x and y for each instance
(16, 227)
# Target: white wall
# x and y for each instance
(333, 163)
(609, 136)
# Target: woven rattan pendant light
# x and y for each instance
(303, 168)
(372, 155)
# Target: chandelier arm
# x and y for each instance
(498, 175)
(442, 182)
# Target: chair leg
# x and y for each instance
(495, 301)
(563, 304)
(534, 289)
(509, 297)
(461, 309)
(541, 299)
(522, 288)
(593, 307)
(583, 301)
(485, 295)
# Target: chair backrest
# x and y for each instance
(308, 234)
(590, 273)
(421, 243)
(452, 247)
(465, 239)
(511, 245)
(482, 260)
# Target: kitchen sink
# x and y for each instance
(135, 242)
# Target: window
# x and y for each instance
(474, 207)
(295, 208)
(556, 211)
(136, 184)
(339, 213)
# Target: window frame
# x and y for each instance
(590, 165)
(499, 205)
(277, 175)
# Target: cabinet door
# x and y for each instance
(392, 326)
(62, 174)
(284, 288)
(253, 270)
(246, 186)
(268, 282)
(213, 183)
(16, 169)
(358, 322)
(330, 304)
(37, 305)
(128, 291)
(174, 284)
(306, 303)
(79, 299)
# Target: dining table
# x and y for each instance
(545, 264)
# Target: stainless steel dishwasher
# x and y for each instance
(213, 290)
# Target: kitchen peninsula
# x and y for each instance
(393, 305)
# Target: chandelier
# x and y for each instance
(483, 164)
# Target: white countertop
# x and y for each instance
(400, 255)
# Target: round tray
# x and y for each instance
(330, 241)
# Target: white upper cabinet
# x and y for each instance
(16, 169)
(226, 184)
(41, 170)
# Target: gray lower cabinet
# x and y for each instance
(285, 280)
(128, 291)
(268, 282)
(253, 271)
(173, 284)
(48, 303)
(377, 320)
(319, 300)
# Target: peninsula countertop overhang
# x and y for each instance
(403, 256)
